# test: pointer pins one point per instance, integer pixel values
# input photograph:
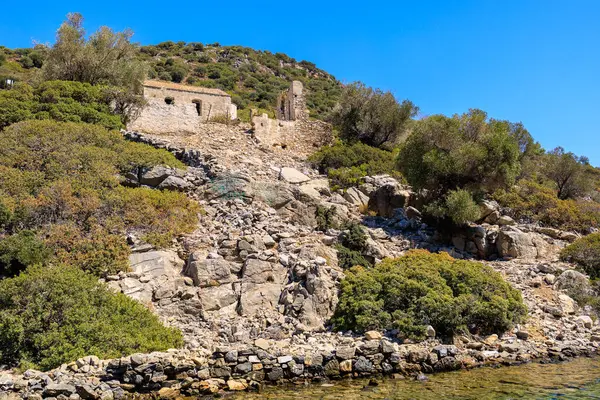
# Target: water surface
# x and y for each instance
(578, 379)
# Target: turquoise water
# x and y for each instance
(578, 379)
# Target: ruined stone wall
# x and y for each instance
(302, 135)
(292, 104)
(188, 110)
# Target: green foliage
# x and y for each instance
(355, 237)
(420, 289)
(20, 250)
(585, 252)
(464, 151)
(61, 101)
(106, 57)
(63, 178)
(372, 116)
(53, 315)
(458, 206)
(533, 201)
(348, 258)
(2, 58)
(325, 218)
(347, 165)
(567, 172)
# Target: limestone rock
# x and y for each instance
(208, 271)
(385, 199)
(356, 197)
(292, 175)
(571, 279)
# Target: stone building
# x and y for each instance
(175, 108)
(292, 129)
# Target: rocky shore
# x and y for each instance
(253, 288)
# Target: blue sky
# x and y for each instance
(535, 61)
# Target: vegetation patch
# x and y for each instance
(420, 289)
(585, 252)
(53, 315)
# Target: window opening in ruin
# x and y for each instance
(198, 104)
(169, 100)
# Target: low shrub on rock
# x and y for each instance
(585, 252)
(420, 289)
(53, 315)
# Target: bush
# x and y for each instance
(348, 258)
(62, 179)
(535, 202)
(347, 165)
(54, 315)
(354, 238)
(325, 218)
(420, 289)
(19, 251)
(585, 252)
(458, 206)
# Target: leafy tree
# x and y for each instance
(372, 116)
(467, 152)
(54, 315)
(420, 289)
(107, 57)
(567, 172)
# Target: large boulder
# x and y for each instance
(208, 271)
(292, 175)
(571, 279)
(385, 199)
(261, 286)
(218, 297)
(158, 174)
(156, 263)
(513, 243)
(356, 197)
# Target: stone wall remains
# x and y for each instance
(172, 110)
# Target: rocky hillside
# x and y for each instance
(254, 286)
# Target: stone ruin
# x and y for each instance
(293, 128)
(175, 108)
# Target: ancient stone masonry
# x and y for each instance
(175, 108)
(292, 128)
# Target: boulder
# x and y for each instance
(208, 271)
(158, 174)
(175, 183)
(385, 199)
(156, 263)
(261, 286)
(513, 243)
(217, 297)
(571, 279)
(316, 188)
(292, 175)
(356, 197)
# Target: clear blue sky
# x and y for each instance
(535, 61)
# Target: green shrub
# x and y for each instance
(533, 201)
(347, 165)
(325, 218)
(420, 289)
(54, 315)
(458, 206)
(355, 237)
(348, 258)
(585, 252)
(21, 250)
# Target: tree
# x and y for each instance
(371, 116)
(467, 152)
(107, 57)
(567, 172)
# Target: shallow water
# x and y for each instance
(578, 379)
